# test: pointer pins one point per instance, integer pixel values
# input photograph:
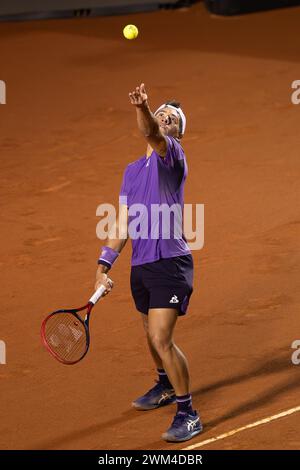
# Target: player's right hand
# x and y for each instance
(103, 279)
(138, 97)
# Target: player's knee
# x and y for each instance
(160, 343)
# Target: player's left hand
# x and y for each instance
(139, 96)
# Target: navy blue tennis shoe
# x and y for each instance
(156, 397)
(185, 426)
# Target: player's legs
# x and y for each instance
(186, 423)
(155, 287)
(161, 323)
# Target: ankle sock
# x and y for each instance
(163, 378)
(184, 404)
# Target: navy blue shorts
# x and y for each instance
(166, 283)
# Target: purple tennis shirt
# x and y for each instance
(152, 188)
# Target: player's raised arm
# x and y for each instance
(147, 123)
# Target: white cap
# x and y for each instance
(179, 111)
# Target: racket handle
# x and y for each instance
(96, 296)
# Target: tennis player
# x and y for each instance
(162, 266)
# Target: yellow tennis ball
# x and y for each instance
(130, 31)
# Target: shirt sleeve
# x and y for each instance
(174, 151)
(172, 168)
(123, 196)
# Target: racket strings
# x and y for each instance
(66, 336)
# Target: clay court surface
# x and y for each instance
(67, 133)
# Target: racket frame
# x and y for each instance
(93, 300)
(85, 323)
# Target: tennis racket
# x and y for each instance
(66, 335)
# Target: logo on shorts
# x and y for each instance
(174, 300)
